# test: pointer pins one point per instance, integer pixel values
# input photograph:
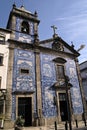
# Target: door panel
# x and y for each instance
(25, 109)
(63, 110)
(63, 106)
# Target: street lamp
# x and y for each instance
(68, 85)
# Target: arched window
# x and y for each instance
(25, 27)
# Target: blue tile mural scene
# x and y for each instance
(75, 90)
(23, 82)
(48, 78)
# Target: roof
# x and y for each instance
(63, 42)
(83, 66)
(5, 30)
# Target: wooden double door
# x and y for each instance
(25, 109)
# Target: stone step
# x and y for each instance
(51, 127)
(35, 128)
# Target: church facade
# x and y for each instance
(42, 77)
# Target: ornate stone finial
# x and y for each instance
(14, 5)
(54, 30)
(22, 6)
(36, 14)
(72, 45)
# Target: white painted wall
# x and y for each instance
(3, 69)
(5, 52)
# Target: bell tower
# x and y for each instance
(23, 24)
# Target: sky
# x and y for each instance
(69, 16)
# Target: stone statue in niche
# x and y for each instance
(57, 46)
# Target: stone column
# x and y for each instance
(8, 122)
(38, 87)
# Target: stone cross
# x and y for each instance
(54, 29)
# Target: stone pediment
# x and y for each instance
(62, 84)
(58, 44)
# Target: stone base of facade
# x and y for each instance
(78, 117)
(39, 122)
(43, 121)
(8, 124)
(50, 121)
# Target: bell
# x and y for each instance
(25, 30)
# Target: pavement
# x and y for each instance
(81, 126)
(40, 128)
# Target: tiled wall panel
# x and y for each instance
(23, 82)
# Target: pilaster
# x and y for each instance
(38, 87)
(9, 89)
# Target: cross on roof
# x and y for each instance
(54, 29)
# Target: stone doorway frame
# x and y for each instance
(32, 103)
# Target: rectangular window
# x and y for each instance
(1, 60)
(60, 72)
(24, 71)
